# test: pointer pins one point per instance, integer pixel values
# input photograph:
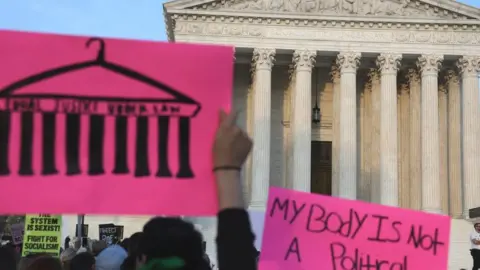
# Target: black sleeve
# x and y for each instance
(235, 241)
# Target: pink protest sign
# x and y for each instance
(305, 231)
(109, 126)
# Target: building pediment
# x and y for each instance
(426, 9)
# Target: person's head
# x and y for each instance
(66, 256)
(28, 259)
(130, 263)
(98, 246)
(83, 261)
(125, 243)
(134, 242)
(111, 258)
(8, 259)
(172, 241)
(45, 263)
(477, 227)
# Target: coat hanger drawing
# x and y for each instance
(100, 61)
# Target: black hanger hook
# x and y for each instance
(101, 50)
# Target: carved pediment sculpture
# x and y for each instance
(400, 8)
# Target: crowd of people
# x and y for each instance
(171, 243)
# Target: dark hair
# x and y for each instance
(28, 259)
(8, 259)
(124, 243)
(130, 263)
(82, 261)
(134, 242)
(172, 237)
(45, 263)
(476, 224)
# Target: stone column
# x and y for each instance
(335, 128)
(415, 140)
(454, 145)
(348, 63)
(429, 66)
(304, 61)
(443, 138)
(365, 183)
(287, 138)
(361, 143)
(249, 128)
(263, 61)
(469, 67)
(404, 146)
(375, 137)
(388, 65)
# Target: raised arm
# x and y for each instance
(235, 240)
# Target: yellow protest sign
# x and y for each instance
(43, 234)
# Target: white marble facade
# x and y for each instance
(385, 120)
(398, 94)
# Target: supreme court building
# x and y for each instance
(373, 100)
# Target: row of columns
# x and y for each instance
(421, 139)
(427, 125)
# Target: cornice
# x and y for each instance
(316, 17)
(325, 21)
(182, 4)
(451, 6)
(455, 6)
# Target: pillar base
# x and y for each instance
(433, 211)
(258, 206)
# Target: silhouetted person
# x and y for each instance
(172, 243)
(45, 263)
(8, 258)
(83, 261)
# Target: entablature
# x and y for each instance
(287, 30)
(404, 37)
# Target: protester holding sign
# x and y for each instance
(172, 242)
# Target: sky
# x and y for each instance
(137, 19)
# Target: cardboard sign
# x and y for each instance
(306, 231)
(110, 233)
(84, 230)
(120, 230)
(109, 126)
(17, 233)
(43, 234)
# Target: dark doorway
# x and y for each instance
(321, 176)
